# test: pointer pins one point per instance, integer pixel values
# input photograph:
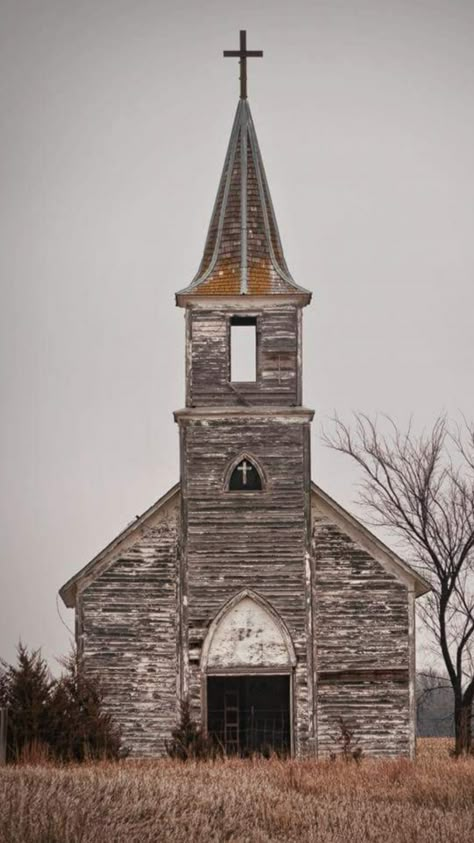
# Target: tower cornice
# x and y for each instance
(288, 414)
(239, 302)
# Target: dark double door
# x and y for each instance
(250, 714)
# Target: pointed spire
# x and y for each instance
(243, 254)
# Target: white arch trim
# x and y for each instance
(247, 632)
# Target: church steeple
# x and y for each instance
(243, 254)
(243, 304)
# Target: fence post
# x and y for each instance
(3, 735)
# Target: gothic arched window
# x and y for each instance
(245, 477)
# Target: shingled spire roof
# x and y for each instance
(243, 254)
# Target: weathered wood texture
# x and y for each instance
(127, 634)
(236, 542)
(376, 710)
(247, 635)
(362, 644)
(278, 366)
(253, 540)
(322, 601)
(148, 609)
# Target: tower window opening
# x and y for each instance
(245, 478)
(243, 349)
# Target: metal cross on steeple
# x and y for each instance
(243, 54)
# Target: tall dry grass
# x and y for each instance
(242, 801)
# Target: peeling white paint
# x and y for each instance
(248, 635)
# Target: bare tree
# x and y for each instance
(421, 487)
(433, 703)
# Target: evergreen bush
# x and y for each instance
(62, 719)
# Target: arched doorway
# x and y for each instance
(247, 674)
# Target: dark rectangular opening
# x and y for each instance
(243, 320)
(243, 349)
(250, 714)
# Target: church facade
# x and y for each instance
(246, 590)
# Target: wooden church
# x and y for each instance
(245, 589)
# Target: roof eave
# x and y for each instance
(68, 592)
(421, 585)
(185, 297)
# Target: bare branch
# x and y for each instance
(421, 487)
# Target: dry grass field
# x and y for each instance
(242, 801)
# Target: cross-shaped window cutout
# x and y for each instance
(245, 478)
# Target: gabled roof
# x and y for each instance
(129, 535)
(366, 539)
(243, 254)
(350, 525)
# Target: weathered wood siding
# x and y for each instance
(278, 369)
(255, 540)
(127, 633)
(144, 613)
(362, 644)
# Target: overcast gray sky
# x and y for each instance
(115, 118)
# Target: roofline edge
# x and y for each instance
(424, 586)
(68, 591)
(184, 298)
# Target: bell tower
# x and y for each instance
(245, 462)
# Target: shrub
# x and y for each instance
(49, 718)
(81, 728)
(26, 692)
(188, 741)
